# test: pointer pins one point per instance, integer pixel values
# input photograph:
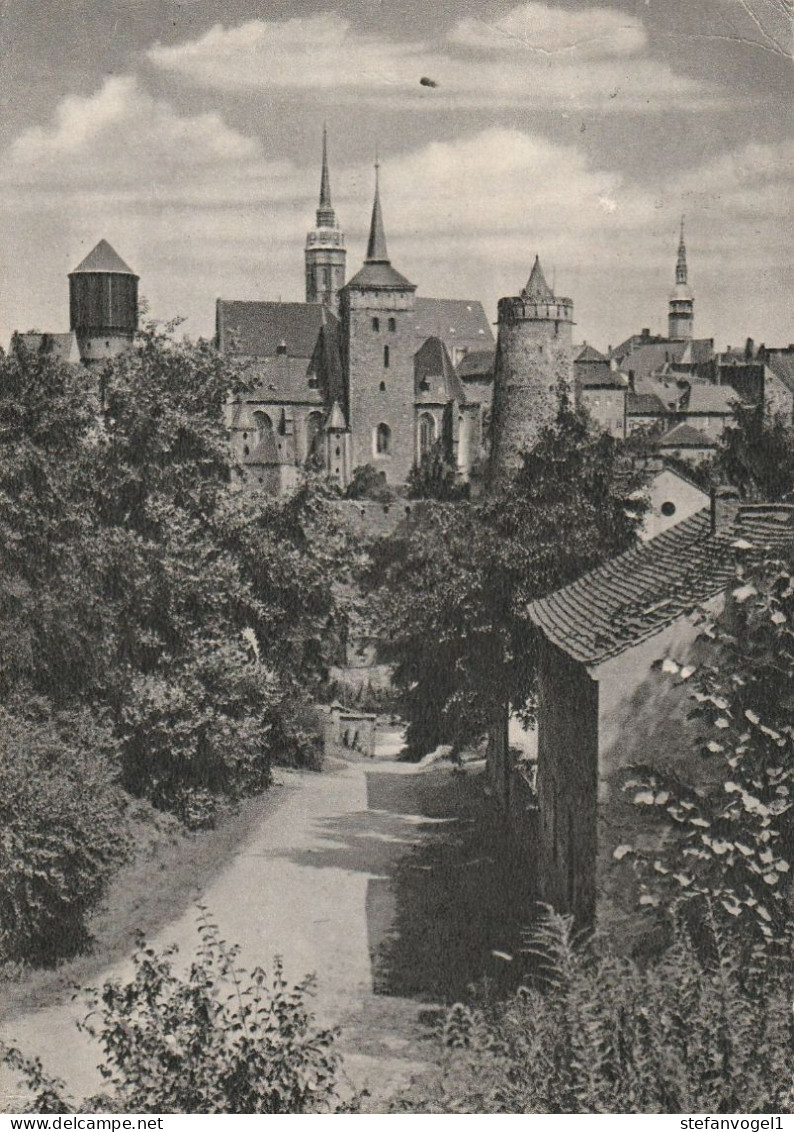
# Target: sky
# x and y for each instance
(188, 134)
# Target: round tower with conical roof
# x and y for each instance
(681, 308)
(534, 361)
(325, 253)
(103, 304)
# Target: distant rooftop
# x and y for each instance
(103, 258)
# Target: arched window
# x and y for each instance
(385, 357)
(382, 440)
(262, 423)
(314, 428)
(427, 433)
(376, 324)
(392, 324)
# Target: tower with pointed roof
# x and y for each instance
(103, 304)
(325, 253)
(534, 361)
(378, 345)
(681, 308)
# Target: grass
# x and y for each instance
(169, 870)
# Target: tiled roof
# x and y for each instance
(477, 363)
(258, 329)
(644, 405)
(284, 379)
(380, 275)
(685, 436)
(639, 593)
(457, 322)
(598, 375)
(435, 379)
(590, 354)
(103, 258)
(711, 399)
(781, 362)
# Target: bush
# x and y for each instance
(605, 1035)
(62, 834)
(217, 1041)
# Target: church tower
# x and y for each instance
(534, 360)
(377, 313)
(325, 247)
(681, 309)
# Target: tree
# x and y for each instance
(436, 478)
(757, 456)
(729, 843)
(448, 596)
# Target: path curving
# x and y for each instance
(313, 883)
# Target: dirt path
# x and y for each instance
(315, 884)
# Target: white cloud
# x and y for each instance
(537, 56)
(588, 33)
(199, 211)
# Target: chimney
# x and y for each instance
(725, 505)
(646, 333)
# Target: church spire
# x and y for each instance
(680, 267)
(326, 217)
(376, 247)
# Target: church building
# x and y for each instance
(362, 373)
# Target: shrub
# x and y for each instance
(216, 1041)
(605, 1035)
(62, 834)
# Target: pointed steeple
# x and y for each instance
(680, 267)
(377, 252)
(537, 289)
(326, 217)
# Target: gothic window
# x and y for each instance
(382, 440)
(383, 387)
(262, 424)
(314, 428)
(427, 433)
(392, 324)
(376, 324)
(385, 357)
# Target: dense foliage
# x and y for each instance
(757, 456)
(729, 842)
(448, 596)
(218, 1040)
(62, 827)
(594, 1034)
(190, 621)
(436, 478)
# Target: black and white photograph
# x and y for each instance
(396, 561)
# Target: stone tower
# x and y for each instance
(534, 360)
(325, 247)
(377, 313)
(681, 309)
(103, 304)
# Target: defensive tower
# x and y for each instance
(378, 345)
(534, 362)
(103, 304)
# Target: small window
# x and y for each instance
(392, 324)
(246, 450)
(376, 324)
(383, 387)
(382, 440)
(668, 509)
(385, 357)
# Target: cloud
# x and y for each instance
(591, 33)
(200, 211)
(537, 57)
